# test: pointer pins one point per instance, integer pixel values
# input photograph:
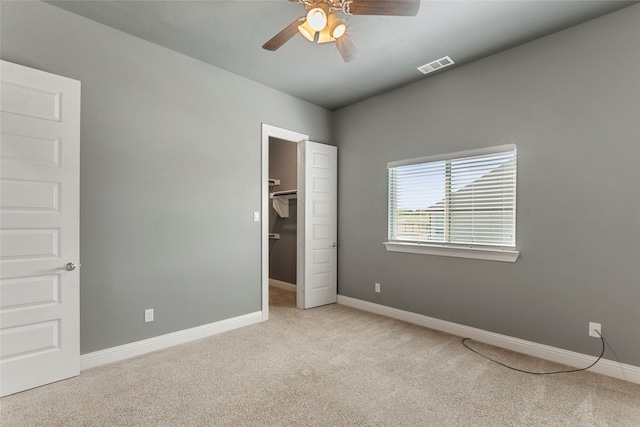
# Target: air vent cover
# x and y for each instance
(436, 65)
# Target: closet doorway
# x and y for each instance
(283, 213)
(299, 205)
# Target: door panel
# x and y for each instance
(320, 223)
(39, 217)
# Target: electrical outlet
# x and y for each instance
(377, 287)
(595, 329)
(148, 315)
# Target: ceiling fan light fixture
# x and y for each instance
(324, 36)
(306, 30)
(337, 26)
(317, 18)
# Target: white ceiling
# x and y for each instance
(229, 34)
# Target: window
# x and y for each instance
(464, 203)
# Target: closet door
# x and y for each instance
(319, 200)
(39, 239)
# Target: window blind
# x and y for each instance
(463, 198)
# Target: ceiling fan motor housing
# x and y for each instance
(327, 5)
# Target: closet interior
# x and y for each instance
(283, 171)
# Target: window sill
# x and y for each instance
(454, 251)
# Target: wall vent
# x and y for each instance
(436, 65)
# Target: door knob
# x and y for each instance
(335, 245)
(70, 266)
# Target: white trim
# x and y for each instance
(453, 251)
(457, 155)
(288, 135)
(282, 285)
(604, 366)
(121, 352)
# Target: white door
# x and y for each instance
(39, 221)
(318, 197)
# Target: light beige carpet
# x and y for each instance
(330, 366)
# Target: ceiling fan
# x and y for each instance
(322, 23)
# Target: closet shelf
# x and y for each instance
(281, 201)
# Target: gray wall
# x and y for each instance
(571, 103)
(283, 157)
(170, 174)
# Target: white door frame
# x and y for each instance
(269, 131)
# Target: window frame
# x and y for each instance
(461, 250)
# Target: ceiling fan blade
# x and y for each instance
(283, 36)
(385, 7)
(346, 48)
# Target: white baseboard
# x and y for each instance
(121, 352)
(604, 366)
(282, 285)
